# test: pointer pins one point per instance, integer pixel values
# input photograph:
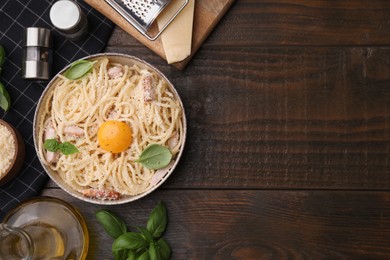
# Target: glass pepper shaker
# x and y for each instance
(37, 53)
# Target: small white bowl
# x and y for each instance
(125, 60)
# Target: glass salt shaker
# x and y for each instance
(37, 53)
(69, 20)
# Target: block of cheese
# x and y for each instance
(177, 37)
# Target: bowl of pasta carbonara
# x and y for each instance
(109, 128)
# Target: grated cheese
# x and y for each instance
(7, 149)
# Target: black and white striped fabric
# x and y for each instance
(15, 16)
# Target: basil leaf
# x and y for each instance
(5, 99)
(146, 234)
(158, 220)
(164, 249)
(4, 104)
(67, 148)
(78, 69)
(131, 255)
(144, 256)
(129, 240)
(120, 254)
(155, 157)
(51, 145)
(112, 224)
(2, 55)
(154, 254)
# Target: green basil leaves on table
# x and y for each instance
(65, 148)
(145, 244)
(153, 251)
(78, 69)
(129, 240)
(145, 233)
(155, 157)
(112, 224)
(164, 249)
(5, 99)
(157, 221)
(144, 256)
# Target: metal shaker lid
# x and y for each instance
(65, 15)
(37, 36)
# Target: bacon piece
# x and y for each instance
(50, 133)
(73, 130)
(173, 141)
(102, 194)
(51, 157)
(115, 72)
(148, 86)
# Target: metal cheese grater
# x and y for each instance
(142, 13)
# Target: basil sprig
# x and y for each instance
(5, 99)
(145, 244)
(65, 148)
(78, 69)
(155, 157)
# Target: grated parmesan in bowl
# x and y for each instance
(8, 148)
(12, 152)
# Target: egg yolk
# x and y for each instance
(114, 136)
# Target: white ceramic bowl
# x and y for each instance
(125, 60)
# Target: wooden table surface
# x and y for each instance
(288, 147)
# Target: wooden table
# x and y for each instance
(288, 148)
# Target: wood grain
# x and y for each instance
(223, 224)
(298, 23)
(284, 117)
(288, 146)
(207, 14)
(306, 23)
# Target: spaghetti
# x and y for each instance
(75, 109)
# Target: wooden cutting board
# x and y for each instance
(207, 14)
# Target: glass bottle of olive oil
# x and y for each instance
(33, 241)
(44, 228)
